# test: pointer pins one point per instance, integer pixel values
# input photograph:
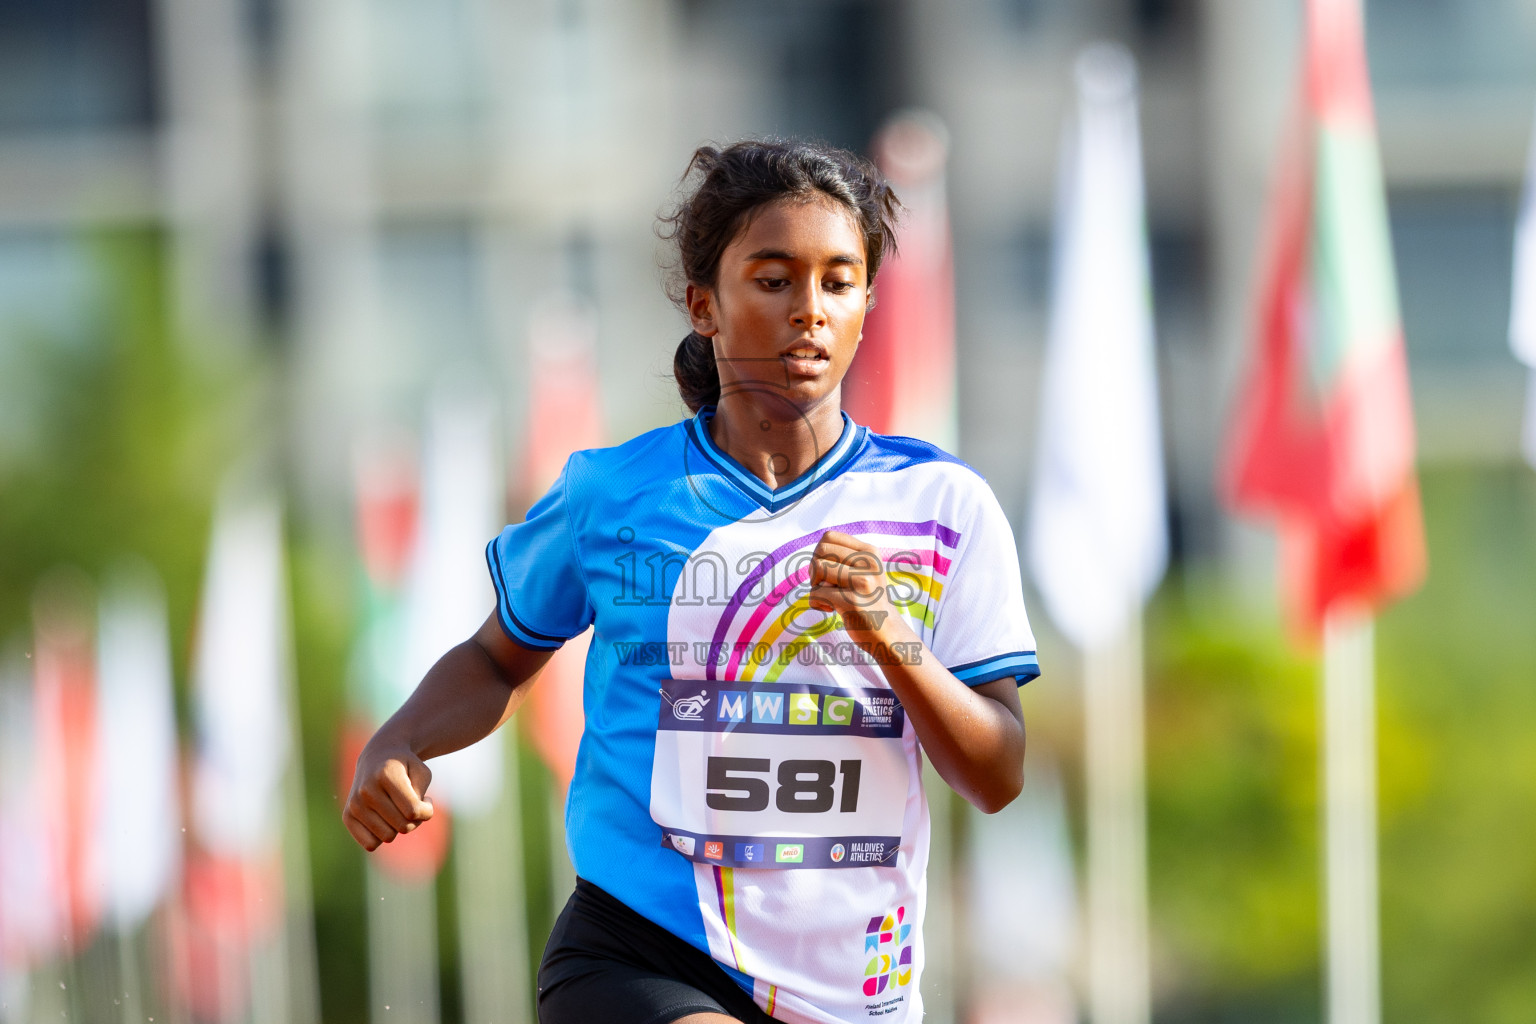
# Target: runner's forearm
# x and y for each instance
(469, 692)
(971, 734)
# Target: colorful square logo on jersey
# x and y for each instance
(768, 708)
(837, 711)
(887, 968)
(749, 853)
(732, 706)
(804, 708)
(789, 853)
(714, 851)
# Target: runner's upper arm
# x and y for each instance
(1006, 692)
(515, 663)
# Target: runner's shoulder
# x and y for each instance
(600, 470)
(894, 453)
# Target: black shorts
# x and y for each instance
(605, 963)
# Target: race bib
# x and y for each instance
(768, 775)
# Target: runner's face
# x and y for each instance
(787, 310)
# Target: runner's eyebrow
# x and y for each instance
(780, 254)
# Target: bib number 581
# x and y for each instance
(804, 787)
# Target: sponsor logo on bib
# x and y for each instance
(837, 853)
(683, 845)
(789, 853)
(714, 851)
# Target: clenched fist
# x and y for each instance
(848, 577)
(388, 795)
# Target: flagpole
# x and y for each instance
(1098, 540)
(402, 948)
(298, 919)
(1119, 988)
(941, 973)
(1522, 306)
(1349, 819)
(266, 955)
(492, 902)
(129, 978)
(163, 960)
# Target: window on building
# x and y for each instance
(75, 65)
(1451, 43)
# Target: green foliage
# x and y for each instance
(128, 447)
(324, 625)
(1233, 772)
(1458, 770)
(1232, 810)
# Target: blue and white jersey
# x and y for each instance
(747, 779)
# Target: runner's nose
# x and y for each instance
(808, 311)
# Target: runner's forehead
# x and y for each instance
(818, 232)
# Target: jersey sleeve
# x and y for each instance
(541, 591)
(982, 631)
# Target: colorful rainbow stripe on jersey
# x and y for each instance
(725, 890)
(919, 570)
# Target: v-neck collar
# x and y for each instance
(832, 462)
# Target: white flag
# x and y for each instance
(31, 917)
(1097, 537)
(448, 592)
(240, 681)
(136, 736)
(1024, 907)
(1522, 315)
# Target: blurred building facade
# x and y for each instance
(378, 190)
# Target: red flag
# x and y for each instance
(229, 904)
(903, 380)
(65, 716)
(565, 416)
(386, 511)
(1323, 439)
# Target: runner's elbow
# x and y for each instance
(995, 788)
(1000, 794)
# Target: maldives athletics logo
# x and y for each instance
(890, 954)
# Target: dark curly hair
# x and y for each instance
(731, 184)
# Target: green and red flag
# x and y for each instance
(387, 518)
(565, 415)
(1323, 440)
(903, 379)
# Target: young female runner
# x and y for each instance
(787, 608)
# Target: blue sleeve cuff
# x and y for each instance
(516, 629)
(1021, 665)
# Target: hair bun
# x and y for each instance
(698, 378)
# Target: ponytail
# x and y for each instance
(698, 378)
